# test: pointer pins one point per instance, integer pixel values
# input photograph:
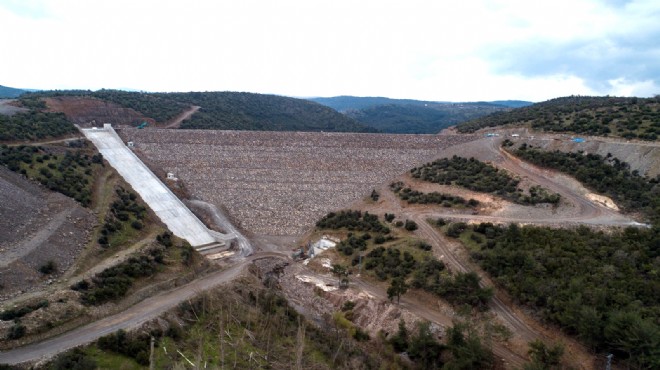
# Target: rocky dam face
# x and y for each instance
(280, 183)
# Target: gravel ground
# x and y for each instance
(280, 183)
(36, 226)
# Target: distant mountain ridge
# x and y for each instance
(345, 103)
(11, 92)
(409, 116)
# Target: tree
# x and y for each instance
(466, 349)
(342, 273)
(400, 340)
(424, 349)
(397, 288)
(544, 357)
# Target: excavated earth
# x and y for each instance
(84, 110)
(37, 226)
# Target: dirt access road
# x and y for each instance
(133, 317)
(525, 328)
(176, 121)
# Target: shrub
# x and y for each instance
(348, 305)
(75, 359)
(424, 246)
(48, 268)
(16, 331)
(410, 225)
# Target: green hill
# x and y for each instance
(10, 92)
(346, 103)
(420, 119)
(407, 116)
(228, 110)
(403, 119)
(248, 111)
(604, 116)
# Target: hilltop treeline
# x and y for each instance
(479, 176)
(600, 286)
(248, 111)
(227, 110)
(606, 175)
(625, 117)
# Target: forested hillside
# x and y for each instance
(404, 119)
(629, 118)
(248, 111)
(227, 110)
(407, 116)
(347, 103)
(600, 286)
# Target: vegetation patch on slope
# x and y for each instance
(34, 125)
(475, 175)
(600, 286)
(604, 116)
(70, 172)
(126, 213)
(605, 175)
(417, 197)
(114, 282)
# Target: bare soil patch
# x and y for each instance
(83, 111)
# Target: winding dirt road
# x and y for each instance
(176, 121)
(132, 317)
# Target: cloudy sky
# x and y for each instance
(434, 50)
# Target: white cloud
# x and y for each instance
(414, 49)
